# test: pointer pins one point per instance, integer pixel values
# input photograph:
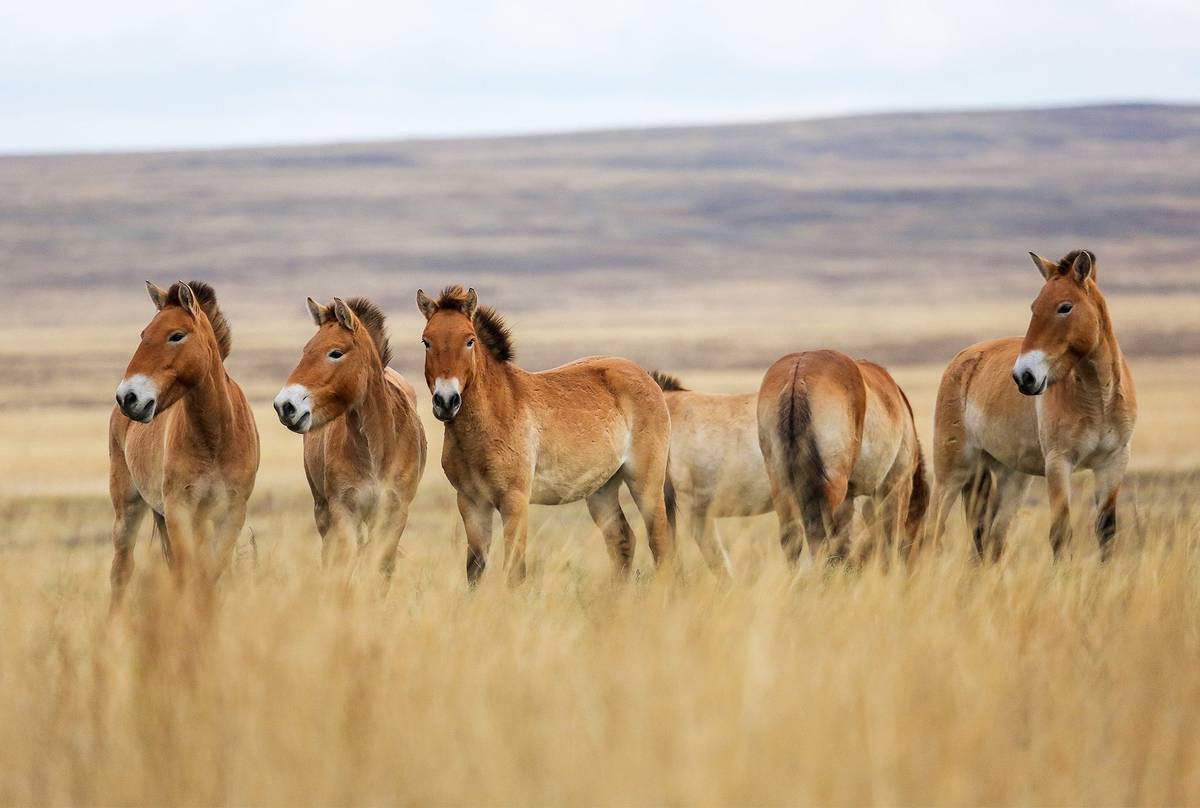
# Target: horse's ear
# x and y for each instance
(1048, 268)
(344, 315)
(1083, 267)
(471, 304)
(425, 304)
(158, 295)
(317, 311)
(187, 298)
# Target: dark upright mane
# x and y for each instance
(489, 325)
(207, 299)
(373, 320)
(1067, 261)
(665, 382)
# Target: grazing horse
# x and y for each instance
(515, 437)
(1059, 399)
(181, 440)
(716, 466)
(832, 430)
(364, 446)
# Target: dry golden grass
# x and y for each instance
(948, 683)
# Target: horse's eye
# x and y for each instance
(425, 342)
(1065, 308)
(335, 354)
(470, 342)
(176, 337)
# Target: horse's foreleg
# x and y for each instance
(514, 512)
(389, 540)
(340, 538)
(129, 512)
(225, 535)
(180, 518)
(1108, 485)
(477, 522)
(1058, 486)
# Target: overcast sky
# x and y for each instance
(128, 74)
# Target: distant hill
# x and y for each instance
(914, 201)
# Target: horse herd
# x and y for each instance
(822, 432)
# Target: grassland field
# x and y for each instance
(706, 253)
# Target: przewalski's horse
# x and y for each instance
(1057, 400)
(831, 430)
(515, 437)
(181, 440)
(716, 466)
(364, 446)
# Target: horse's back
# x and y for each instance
(715, 457)
(591, 418)
(980, 409)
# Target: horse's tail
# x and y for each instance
(669, 500)
(918, 502)
(803, 467)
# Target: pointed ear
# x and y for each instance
(317, 311)
(187, 298)
(472, 304)
(158, 295)
(344, 315)
(1083, 267)
(427, 306)
(1048, 268)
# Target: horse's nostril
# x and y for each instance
(1027, 379)
(130, 399)
(289, 409)
(149, 405)
(455, 398)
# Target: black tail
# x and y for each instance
(805, 471)
(669, 499)
(918, 503)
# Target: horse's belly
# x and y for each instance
(569, 470)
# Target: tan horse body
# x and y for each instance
(833, 430)
(716, 466)
(364, 446)
(182, 441)
(514, 437)
(1059, 399)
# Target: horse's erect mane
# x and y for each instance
(206, 297)
(666, 382)
(1067, 261)
(371, 316)
(489, 326)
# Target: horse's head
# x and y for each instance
(178, 348)
(450, 347)
(1066, 323)
(335, 367)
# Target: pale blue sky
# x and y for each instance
(130, 74)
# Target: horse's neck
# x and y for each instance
(1100, 371)
(490, 402)
(209, 409)
(370, 423)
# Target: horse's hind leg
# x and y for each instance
(1007, 497)
(704, 530)
(646, 477)
(605, 509)
(977, 502)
